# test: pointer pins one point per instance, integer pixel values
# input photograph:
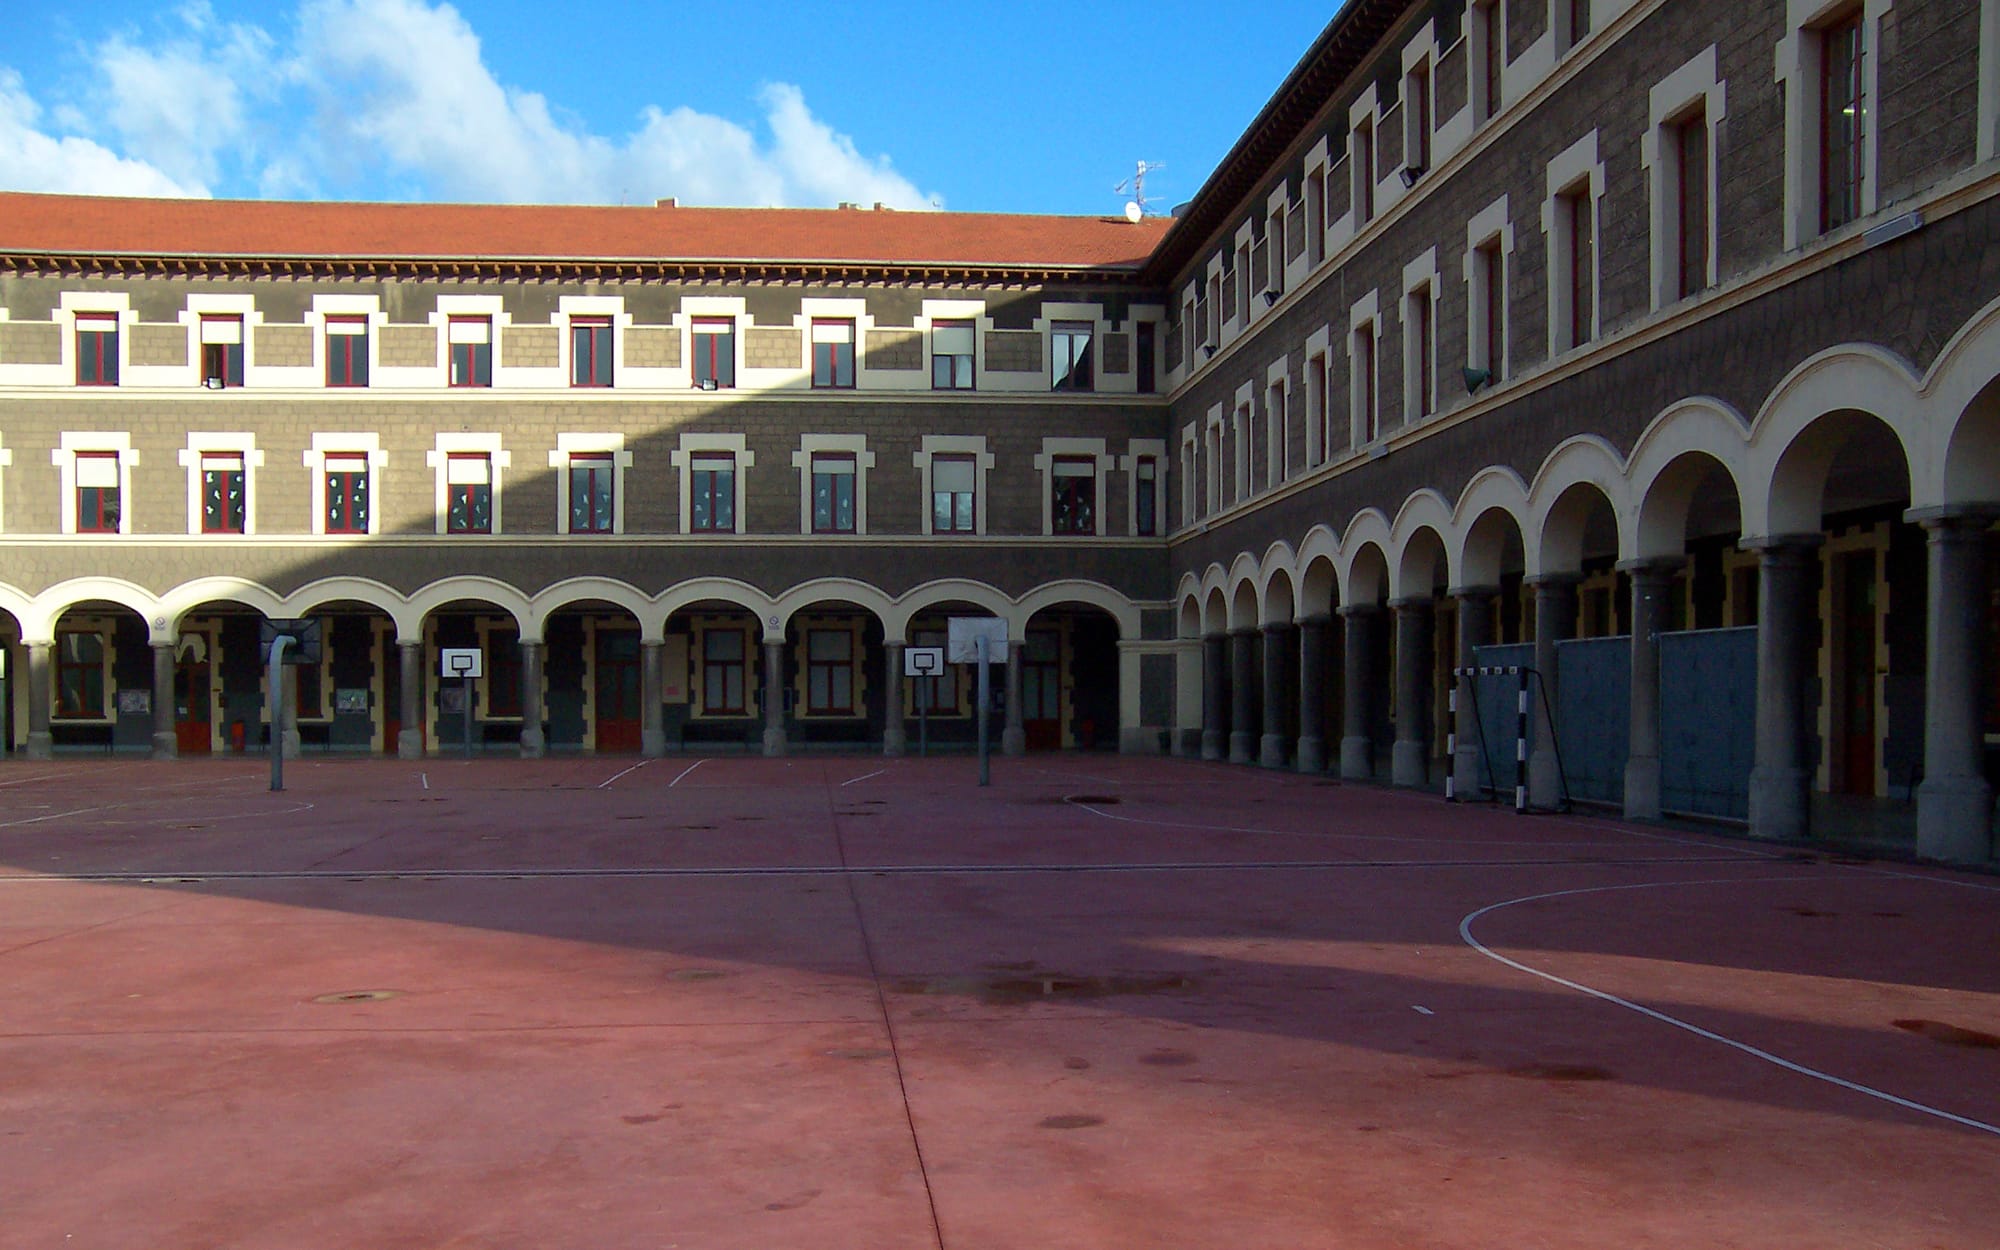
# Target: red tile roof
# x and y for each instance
(267, 229)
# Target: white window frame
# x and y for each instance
(682, 459)
(1278, 421)
(1476, 59)
(1317, 168)
(1366, 313)
(1212, 453)
(1492, 227)
(498, 459)
(1136, 450)
(1243, 427)
(337, 307)
(936, 310)
(1672, 100)
(1420, 277)
(1566, 36)
(224, 442)
(314, 459)
(1420, 57)
(855, 445)
(1045, 466)
(74, 306)
(1799, 57)
(570, 307)
(244, 307)
(1318, 397)
(1577, 167)
(1989, 79)
(468, 307)
(1363, 115)
(63, 457)
(1190, 476)
(613, 445)
(973, 445)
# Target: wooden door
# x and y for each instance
(1041, 690)
(618, 682)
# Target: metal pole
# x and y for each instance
(1451, 739)
(274, 702)
(985, 711)
(924, 716)
(1521, 741)
(465, 686)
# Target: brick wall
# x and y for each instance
(766, 347)
(158, 345)
(530, 347)
(408, 347)
(652, 347)
(894, 349)
(279, 345)
(1016, 351)
(30, 343)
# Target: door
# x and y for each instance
(193, 705)
(1855, 680)
(617, 690)
(1041, 690)
(389, 663)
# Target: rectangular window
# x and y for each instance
(346, 493)
(1073, 495)
(347, 351)
(222, 492)
(1318, 443)
(590, 351)
(951, 355)
(714, 353)
(722, 672)
(1146, 507)
(468, 484)
(1579, 21)
(1494, 59)
(221, 352)
(1691, 137)
(1244, 281)
(833, 481)
(1582, 266)
(1144, 350)
(1190, 334)
(79, 675)
(1274, 263)
(591, 482)
(471, 351)
(833, 353)
(829, 672)
(1493, 284)
(935, 695)
(1316, 215)
(1843, 122)
(97, 349)
(1212, 319)
(1362, 150)
(1069, 355)
(1364, 382)
(953, 480)
(712, 492)
(1417, 98)
(1423, 387)
(503, 673)
(97, 501)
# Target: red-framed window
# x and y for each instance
(833, 354)
(714, 353)
(1691, 139)
(224, 492)
(97, 349)
(590, 351)
(1364, 364)
(1073, 495)
(1362, 154)
(834, 478)
(1069, 354)
(712, 492)
(347, 351)
(471, 349)
(1579, 21)
(79, 675)
(1576, 207)
(1417, 98)
(952, 354)
(468, 486)
(954, 490)
(1146, 503)
(723, 672)
(592, 481)
(1488, 16)
(1424, 388)
(98, 498)
(1493, 267)
(221, 351)
(1843, 122)
(347, 492)
(829, 672)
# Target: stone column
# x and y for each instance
(1277, 646)
(1312, 693)
(895, 741)
(1781, 781)
(774, 696)
(1357, 745)
(1652, 582)
(1214, 709)
(1475, 629)
(533, 744)
(1014, 738)
(410, 743)
(1954, 801)
(287, 734)
(41, 744)
(1555, 621)
(166, 742)
(1242, 695)
(1410, 763)
(652, 690)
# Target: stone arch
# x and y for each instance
(1244, 606)
(366, 590)
(1840, 394)
(695, 590)
(1970, 464)
(1368, 532)
(1424, 520)
(896, 615)
(451, 590)
(1278, 560)
(1963, 401)
(1319, 586)
(177, 602)
(1187, 617)
(828, 589)
(1670, 460)
(39, 616)
(1215, 611)
(1493, 499)
(1094, 594)
(1579, 474)
(16, 603)
(552, 599)
(1280, 599)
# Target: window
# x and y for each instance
(951, 355)
(714, 353)
(1579, 268)
(221, 351)
(1319, 441)
(722, 672)
(1843, 122)
(1212, 480)
(833, 482)
(1212, 315)
(712, 497)
(1244, 281)
(222, 492)
(468, 478)
(1365, 409)
(590, 351)
(829, 672)
(1069, 355)
(1417, 119)
(471, 343)
(592, 481)
(1073, 495)
(347, 351)
(1277, 433)
(1422, 384)
(937, 694)
(79, 674)
(97, 349)
(1489, 56)
(97, 474)
(1691, 206)
(346, 493)
(1579, 21)
(1489, 293)
(833, 353)
(1146, 504)
(1274, 258)
(953, 480)
(1190, 335)
(1316, 215)
(1362, 152)
(1145, 349)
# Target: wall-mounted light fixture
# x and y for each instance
(1476, 378)
(1411, 173)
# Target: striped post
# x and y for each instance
(1451, 741)
(1521, 742)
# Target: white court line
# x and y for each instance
(426, 779)
(22, 781)
(685, 771)
(605, 784)
(1465, 934)
(864, 776)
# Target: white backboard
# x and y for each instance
(459, 662)
(964, 629)
(923, 661)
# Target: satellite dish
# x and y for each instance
(1133, 212)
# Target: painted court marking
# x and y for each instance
(1465, 934)
(606, 783)
(685, 771)
(864, 776)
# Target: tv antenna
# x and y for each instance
(1135, 208)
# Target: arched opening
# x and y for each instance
(836, 686)
(348, 701)
(1070, 680)
(1580, 541)
(1425, 641)
(13, 686)
(99, 682)
(451, 712)
(593, 678)
(1281, 663)
(713, 683)
(1322, 663)
(1246, 687)
(1367, 703)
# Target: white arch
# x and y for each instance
(1553, 534)
(40, 614)
(553, 598)
(1318, 587)
(1960, 396)
(1369, 529)
(450, 589)
(1425, 509)
(1495, 488)
(1245, 593)
(1187, 608)
(897, 616)
(681, 595)
(1278, 558)
(820, 589)
(1786, 476)
(187, 596)
(1214, 607)
(1659, 508)
(386, 599)
(1076, 590)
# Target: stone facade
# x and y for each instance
(893, 349)
(407, 346)
(275, 345)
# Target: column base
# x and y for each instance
(1212, 744)
(1271, 751)
(166, 746)
(1357, 758)
(1242, 747)
(1139, 740)
(1544, 779)
(40, 746)
(1311, 755)
(652, 743)
(534, 744)
(895, 742)
(1780, 803)
(1642, 788)
(774, 742)
(1013, 742)
(1955, 819)
(409, 747)
(1407, 765)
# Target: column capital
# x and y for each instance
(1481, 591)
(1553, 582)
(1246, 631)
(1967, 516)
(1276, 627)
(1652, 566)
(1769, 545)
(1361, 610)
(1314, 618)
(1412, 603)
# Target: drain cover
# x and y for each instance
(356, 996)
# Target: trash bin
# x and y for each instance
(236, 734)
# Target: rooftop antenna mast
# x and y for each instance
(1135, 208)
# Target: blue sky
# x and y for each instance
(1019, 107)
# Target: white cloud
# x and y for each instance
(33, 160)
(183, 102)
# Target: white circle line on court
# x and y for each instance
(606, 783)
(685, 771)
(1755, 1052)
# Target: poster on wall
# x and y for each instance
(350, 700)
(135, 703)
(674, 669)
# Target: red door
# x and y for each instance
(617, 690)
(1041, 691)
(193, 709)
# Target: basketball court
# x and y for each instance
(862, 1002)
